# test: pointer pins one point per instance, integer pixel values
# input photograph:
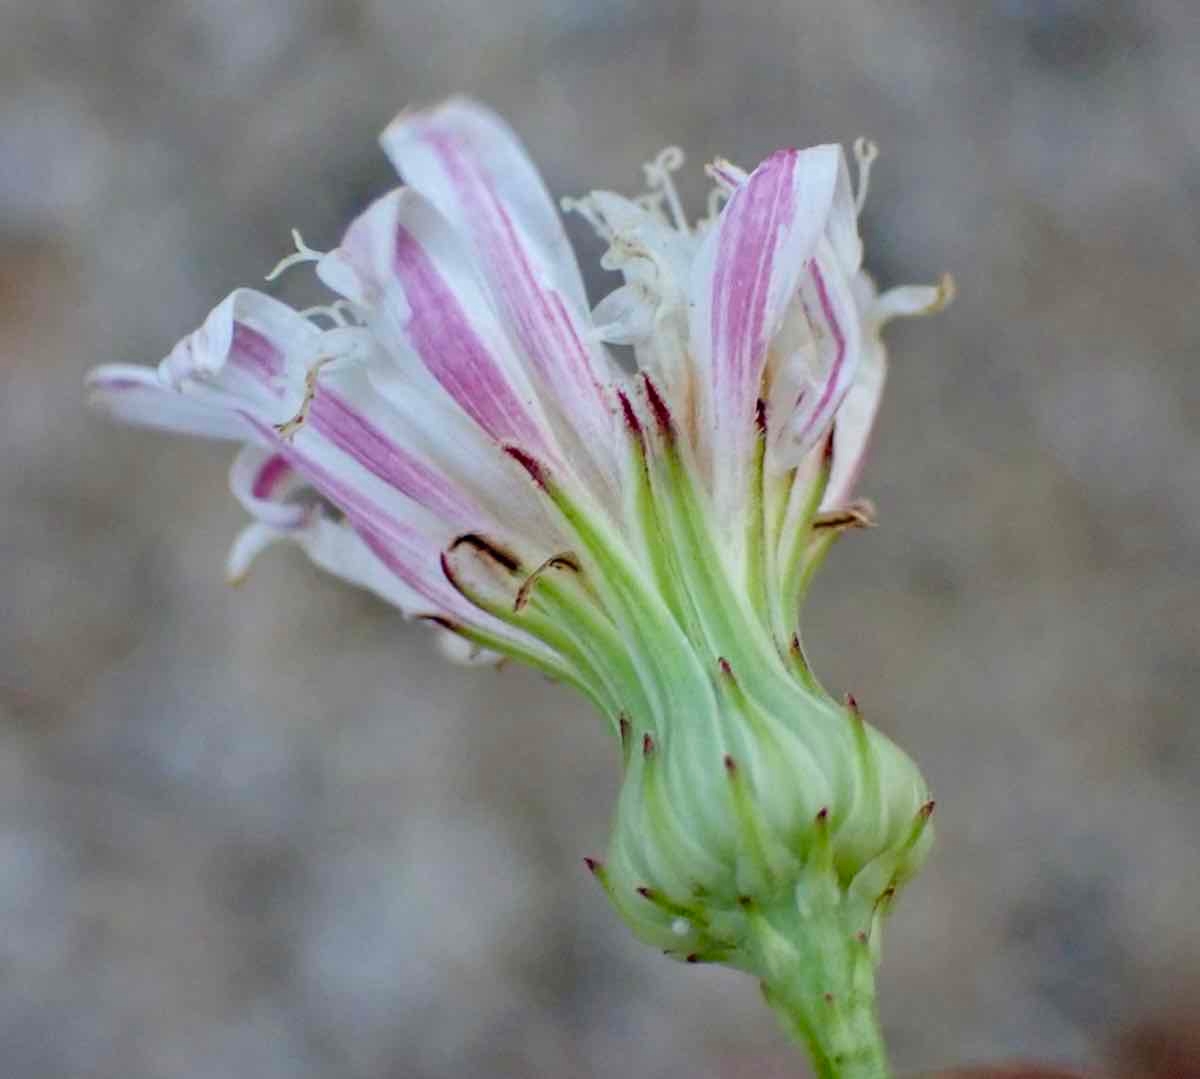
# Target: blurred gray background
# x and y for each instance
(269, 832)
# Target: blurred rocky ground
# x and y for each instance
(268, 832)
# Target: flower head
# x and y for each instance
(453, 433)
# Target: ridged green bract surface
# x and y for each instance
(761, 823)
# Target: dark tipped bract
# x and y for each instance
(658, 407)
(484, 546)
(630, 415)
(528, 462)
(760, 416)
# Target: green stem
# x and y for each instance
(818, 976)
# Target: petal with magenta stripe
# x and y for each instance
(471, 166)
(402, 261)
(745, 277)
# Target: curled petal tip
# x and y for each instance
(946, 292)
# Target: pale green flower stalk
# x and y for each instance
(453, 433)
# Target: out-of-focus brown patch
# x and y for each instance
(35, 271)
(1167, 1047)
(1009, 1071)
(999, 1071)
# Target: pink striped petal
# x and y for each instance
(243, 373)
(389, 545)
(401, 260)
(136, 395)
(348, 459)
(348, 414)
(376, 561)
(246, 360)
(396, 552)
(261, 480)
(470, 165)
(255, 349)
(397, 555)
(339, 549)
(855, 422)
(841, 229)
(415, 535)
(415, 559)
(334, 547)
(744, 280)
(835, 325)
(249, 356)
(410, 402)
